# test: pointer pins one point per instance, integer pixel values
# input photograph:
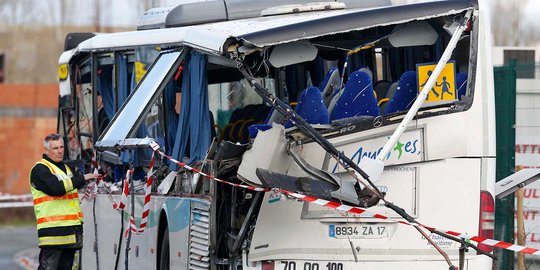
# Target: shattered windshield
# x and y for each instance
(138, 102)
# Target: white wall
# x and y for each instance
(498, 53)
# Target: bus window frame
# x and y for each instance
(73, 110)
(103, 140)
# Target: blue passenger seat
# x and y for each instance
(357, 99)
(311, 107)
(366, 70)
(406, 92)
(461, 84)
(329, 85)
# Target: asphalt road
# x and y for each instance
(18, 248)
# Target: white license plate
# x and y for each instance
(367, 231)
(314, 265)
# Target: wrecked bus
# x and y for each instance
(232, 115)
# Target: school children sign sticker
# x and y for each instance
(444, 89)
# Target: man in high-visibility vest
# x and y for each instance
(56, 205)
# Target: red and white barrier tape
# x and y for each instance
(155, 146)
(125, 192)
(147, 196)
(10, 197)
(8, 200)
(146, 207)
(361, 211)
(90, 191)
(365, 213)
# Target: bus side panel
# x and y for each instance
(446, 195)
(110, 233)
(185, 216)
(178, 218)
(88, 252)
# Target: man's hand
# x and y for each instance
(91, 176)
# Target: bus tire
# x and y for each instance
(164, 255)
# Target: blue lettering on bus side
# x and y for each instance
(408, 147)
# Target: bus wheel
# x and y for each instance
(164, 256)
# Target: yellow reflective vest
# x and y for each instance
(57, 211)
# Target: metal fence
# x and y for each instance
(528, 70)
(526, 78)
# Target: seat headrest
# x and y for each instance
(311, 107)
(406, 92)
(357, 98)
(461, 84)
(367, 70)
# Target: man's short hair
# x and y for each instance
(51, 137)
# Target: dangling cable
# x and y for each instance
(132, 191)
(96, 245)
(120, 236)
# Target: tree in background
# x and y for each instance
(32, 31)
(510, 24)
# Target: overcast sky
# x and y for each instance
(125, 13)
(126, 19)
(531, 10)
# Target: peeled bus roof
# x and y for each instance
(271, 30)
